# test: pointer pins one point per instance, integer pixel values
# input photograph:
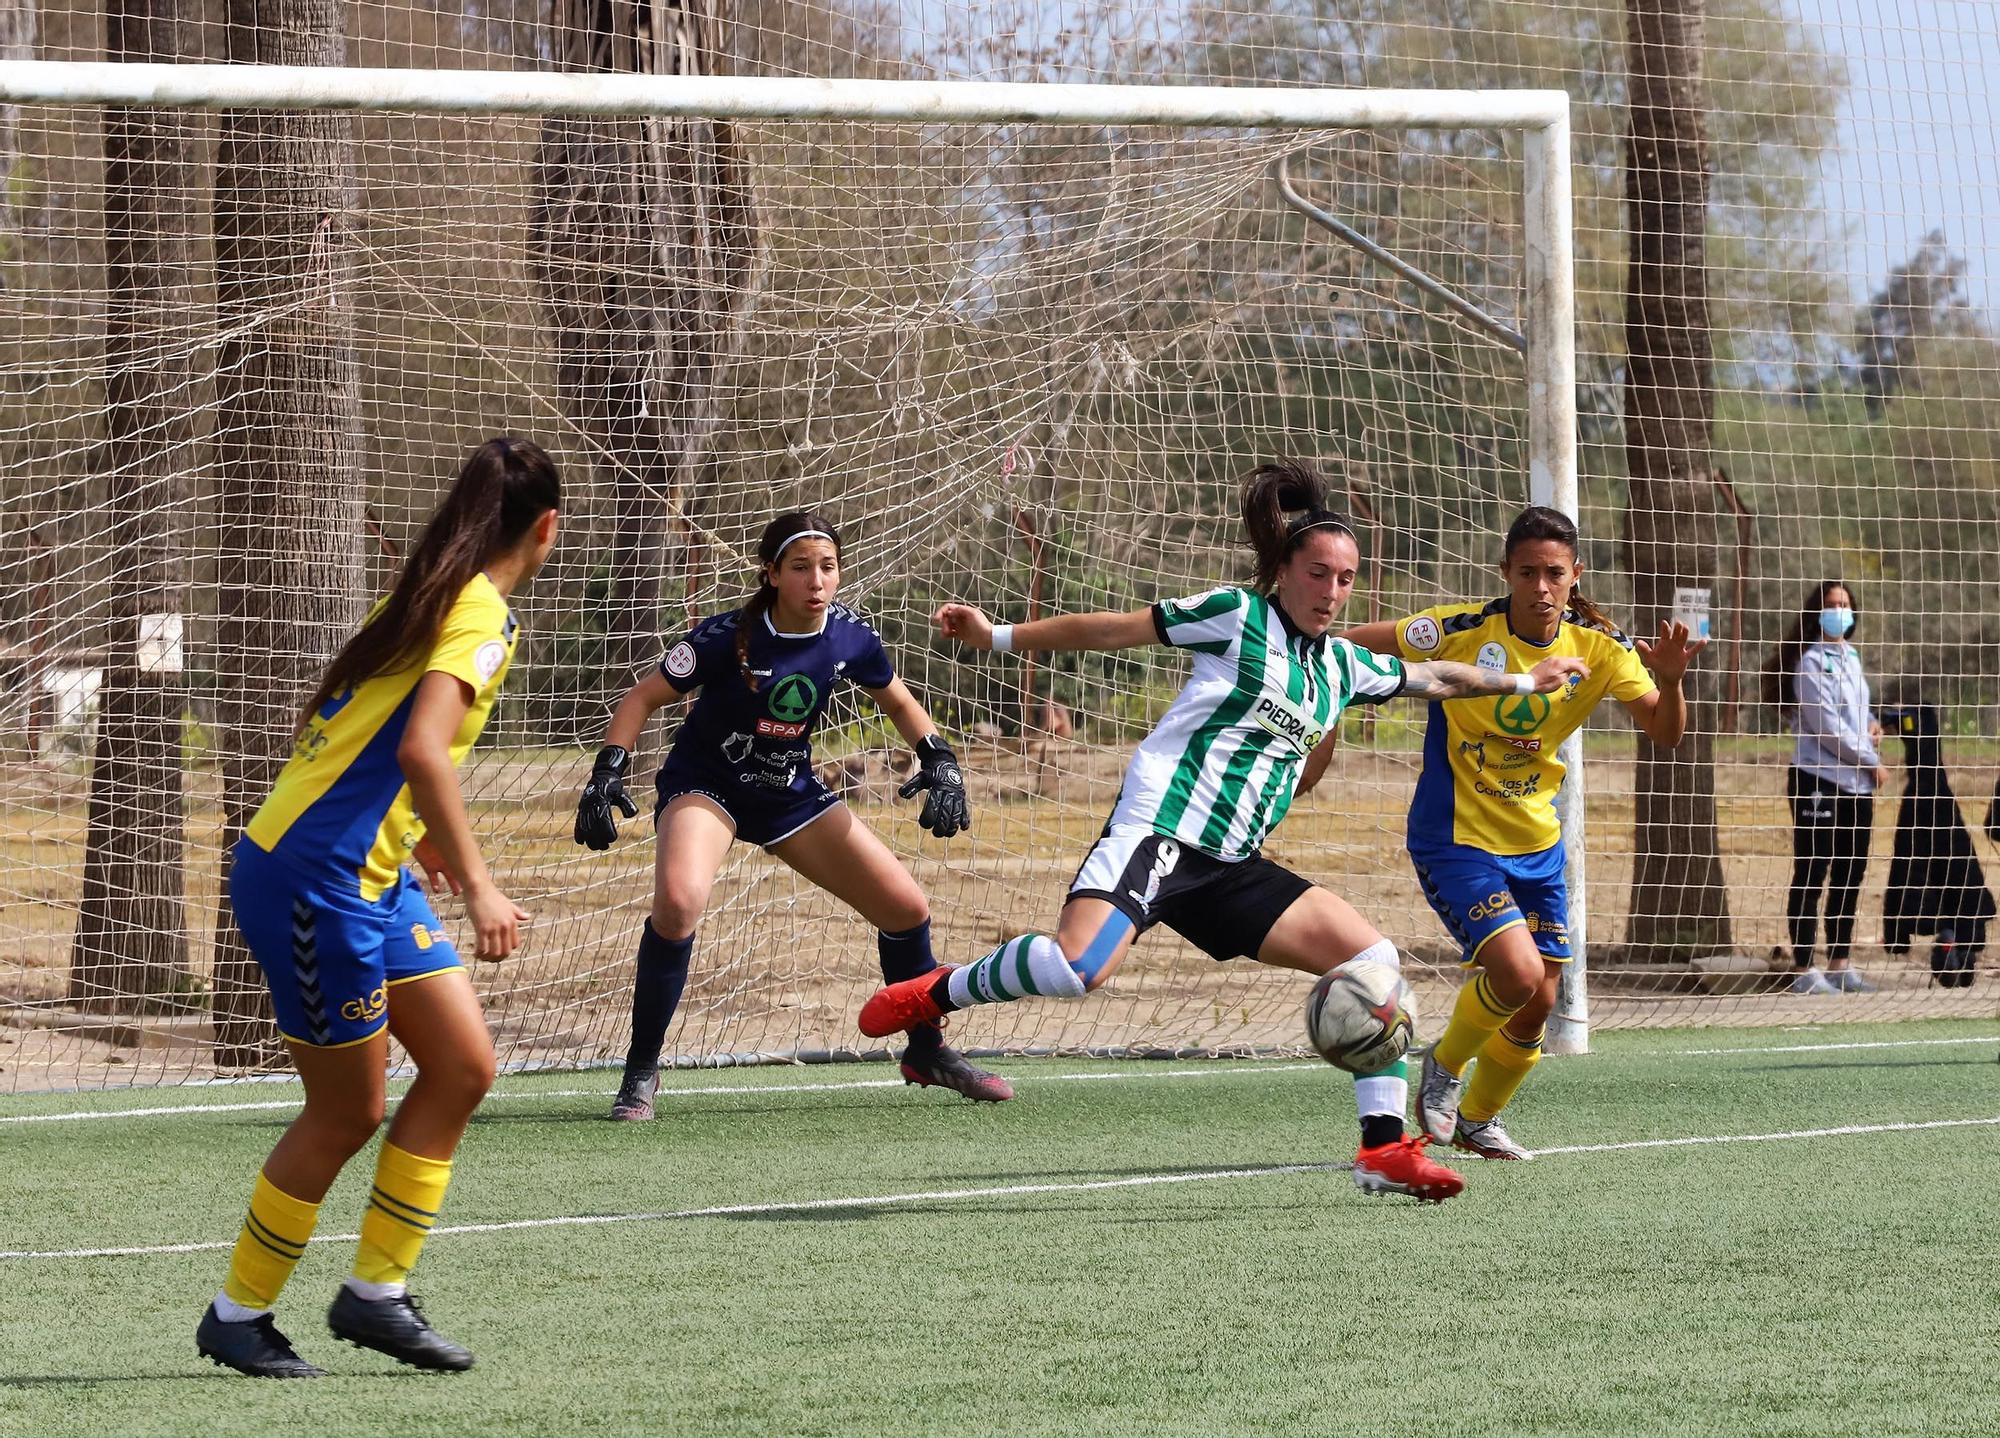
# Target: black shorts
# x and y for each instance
(1226, 910)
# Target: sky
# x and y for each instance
(1919, 145)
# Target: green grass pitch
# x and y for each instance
(1126, 1248)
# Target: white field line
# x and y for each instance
(1138, 1072)
(949, 1195)
(705, 1090)
(1832, 1048)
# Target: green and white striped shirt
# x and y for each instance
(1219, 771)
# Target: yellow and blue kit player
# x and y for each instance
(317, 883)
(352, 950)
(1483, 833)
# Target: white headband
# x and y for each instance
(806, 534)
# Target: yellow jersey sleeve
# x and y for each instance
(473, 645)
(1625, 675)
(1435, 633)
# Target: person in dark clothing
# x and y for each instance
(1936, 885)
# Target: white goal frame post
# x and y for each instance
(1541, 117)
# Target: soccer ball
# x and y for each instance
(1362, 1016)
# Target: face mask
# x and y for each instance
(1835, 623)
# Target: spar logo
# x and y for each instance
(792, 699)
(1519, 715)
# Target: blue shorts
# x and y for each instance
(762, 815)
(1478, 894)
(329, 955)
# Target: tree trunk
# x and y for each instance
(287, 437)
(1680, 907)
(645, 243)
(17, 42)
(131, 944)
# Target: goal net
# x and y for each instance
(1024, 360)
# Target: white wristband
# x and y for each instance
(1523, 683)
(1003, 638)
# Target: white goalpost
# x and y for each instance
(1021, 337)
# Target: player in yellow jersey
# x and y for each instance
(1483, 832)
(349, 945)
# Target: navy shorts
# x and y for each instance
(1478, 894)
(762, 815)
(329, 955)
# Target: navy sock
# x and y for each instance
(1381, 1128)
(656, 993)
(907, 955)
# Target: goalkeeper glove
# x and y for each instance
(942, 784)
(595, 828)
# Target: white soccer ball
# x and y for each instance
(1361, 1016)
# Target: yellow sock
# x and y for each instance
(401, 1209)
(269, 1248)
(1475, 1017)
(1503, 1064)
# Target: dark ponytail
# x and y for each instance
(1538, 521)
(505, 487)
(770, 547)
(1270, 494)
(1779, 680)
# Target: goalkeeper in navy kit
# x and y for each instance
(741, 769)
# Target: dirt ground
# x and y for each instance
(781, 968)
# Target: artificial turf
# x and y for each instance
(978, 1284)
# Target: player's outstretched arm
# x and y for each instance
(605, 789)
(969, 625)
(1662, 714)
(938, 777)
(1448, 679)
(1378, 635)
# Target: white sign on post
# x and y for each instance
(159, 644)
(1691, 609)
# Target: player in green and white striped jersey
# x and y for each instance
(1183, 845)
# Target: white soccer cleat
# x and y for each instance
(1437, 1100)
(1487, 1138)
(1848, 981)
(1812, 981)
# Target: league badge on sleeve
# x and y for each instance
(1421, 634)
(488, 658)
(679, 663)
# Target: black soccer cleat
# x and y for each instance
(394, 1326)
(634, 1103)
(945, 1067)
(254, 1347)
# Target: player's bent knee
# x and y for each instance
(675, 915)
(345, 1128)
(1515, 981)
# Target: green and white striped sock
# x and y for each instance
(1032, 964)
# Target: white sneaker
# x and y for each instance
(1849, 981)
(1812, 981)
(1486, 1138)
(1437, 1100)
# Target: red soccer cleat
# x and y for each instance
(907, 1005)
(1401, 1167)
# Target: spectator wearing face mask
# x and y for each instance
(1817, 680)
